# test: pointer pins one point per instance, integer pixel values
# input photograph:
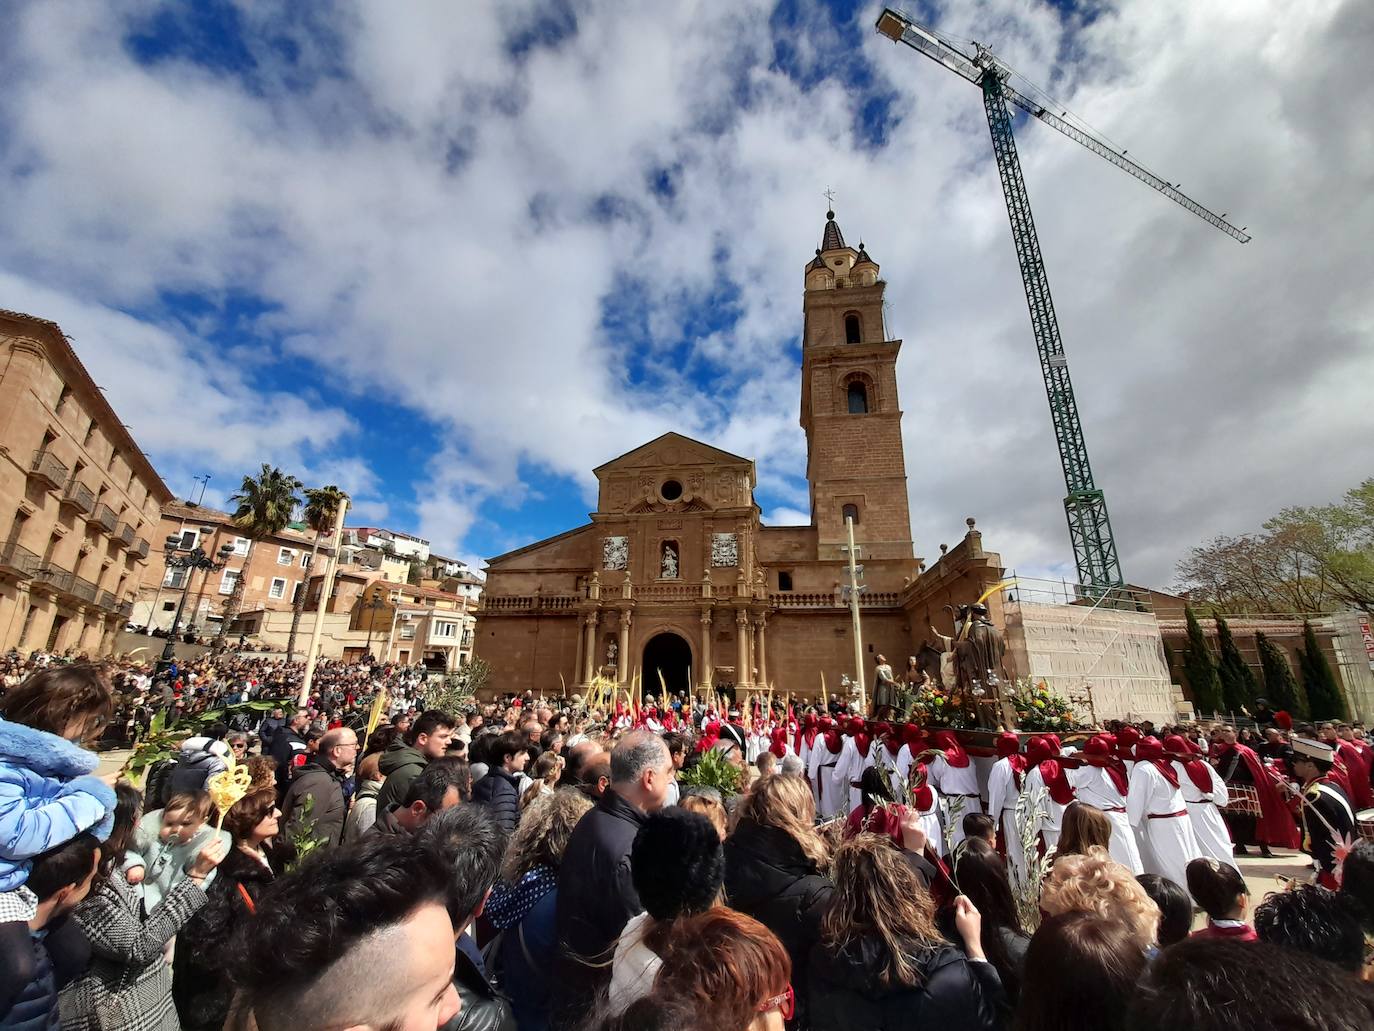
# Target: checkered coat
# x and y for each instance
(129, 984)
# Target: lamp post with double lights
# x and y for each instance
(189, 559)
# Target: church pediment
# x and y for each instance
(693, 504)
(672, 449)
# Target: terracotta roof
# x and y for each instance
(833, 240)
(192, 512)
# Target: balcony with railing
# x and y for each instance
(18, 562)
(47, 469)
(140, 548)
(833, 600)
(78, 496)
(530, 602)
(105, 518)
(107, 600)
(126, 611)
(83, 590)
(124, 536)
(56, 577)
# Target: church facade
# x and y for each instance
(676, 579)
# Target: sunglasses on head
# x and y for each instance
(786, 1003)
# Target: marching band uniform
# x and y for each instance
(1327, 814)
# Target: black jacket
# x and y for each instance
(845, 994)
(768, 877)
(319, 780)
(499, 792)
(596, 897)
(286, 745)
(483, 1007)
(200, 985)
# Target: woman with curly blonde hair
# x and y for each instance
(882, 963)
(523, 904)
(1097, 883)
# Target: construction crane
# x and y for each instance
(1090, 529)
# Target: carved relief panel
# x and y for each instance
(615, 552)
(724, 550)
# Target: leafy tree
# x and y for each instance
(264, 507)
(1281, 688)
(1323, 692)
(1199, 667)
(457, 692)
(321, 509)
(1238, 687)
(1307, 559)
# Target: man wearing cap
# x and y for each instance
(1004, 792)
(1102, 781)
(1326, 812)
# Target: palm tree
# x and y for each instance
(321, 509)
(265, 506)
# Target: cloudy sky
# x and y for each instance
(453, 256)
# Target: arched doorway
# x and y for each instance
(672, 656)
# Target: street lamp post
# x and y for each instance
(189, 559)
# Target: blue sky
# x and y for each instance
(452, 257)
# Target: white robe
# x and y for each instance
(848, 771)
(1172, 845)
(1052, 813)
(1204, 810)
(1003, 794)
(830, 802)
(959, 787)
(1093, 786)
(878, 753)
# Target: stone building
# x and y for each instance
(274, 569)
(676, 579)
(79, 502)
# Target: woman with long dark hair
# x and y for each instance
(881, 963)
(982, 876)
(1083, 967)
(1084, 828)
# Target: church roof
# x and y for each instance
(703, 449)
(863, 256)
(817, 262)
(833, 239)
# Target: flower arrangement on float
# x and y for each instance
(1038, 709)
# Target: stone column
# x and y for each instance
(742, 640)
(760, 655)
(589, 649)
(704, 674)
(624, 657)
(578, 664)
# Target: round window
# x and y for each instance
(671, 490)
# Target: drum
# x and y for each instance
(1364, 822)
(1244, 801)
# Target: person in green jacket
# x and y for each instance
(406, 759)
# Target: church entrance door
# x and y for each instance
(670, 654)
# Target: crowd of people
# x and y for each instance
(530, 864)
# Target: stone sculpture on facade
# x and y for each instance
(615, 553)
(724, 549)
(668, 564)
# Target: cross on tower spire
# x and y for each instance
(829, 196)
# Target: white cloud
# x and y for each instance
(425, 220)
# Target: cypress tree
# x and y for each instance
(1324, 696)
(1199, 668)
(1238, 687)
(1280, 686)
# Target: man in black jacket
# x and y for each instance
(471, 845)
(499, 790)
(596, 894)
(318, 786)
(288, 748)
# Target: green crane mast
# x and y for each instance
(1085, 506)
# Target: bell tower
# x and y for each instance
(849, 409)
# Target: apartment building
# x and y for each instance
(80, 504)
(276, 569)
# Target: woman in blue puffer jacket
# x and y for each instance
(48, 793)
